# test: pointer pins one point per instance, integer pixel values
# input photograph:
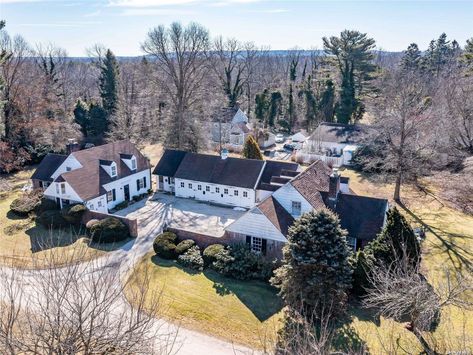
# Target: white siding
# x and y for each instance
(52, 192)
(262, 195)
(166, 185)
(211, 196)
(286, 194)
(70, 162)
(93, 204)
(118, 185)
(256, 224)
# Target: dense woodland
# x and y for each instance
(420, 101)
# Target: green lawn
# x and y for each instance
(245, 312)
(25, 244)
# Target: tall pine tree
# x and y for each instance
(81, 116)
(411, 59)
(353, 53)
(251, 149)
(315, 271)
(108, 84)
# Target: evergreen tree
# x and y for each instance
(439, 54)
(327, 101)
(261, 106)
(311, 106)
(3, 56)
(467, 57)
(98, 120)
(411, 59)
(251, 149)
(353, 52)
(316, 270)
(274, 107)
(81, 116)
(291, 110)
(396, 240)
(108, 83)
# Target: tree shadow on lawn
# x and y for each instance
(259, 297)
(42, 238)
(459, 256)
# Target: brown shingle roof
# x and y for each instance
(277, 214)
(312, 181)
(87, 181)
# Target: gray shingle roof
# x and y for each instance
(339, 133)
(48, 166)
(169, 162)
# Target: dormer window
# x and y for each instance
(133, 163)
(113, 170)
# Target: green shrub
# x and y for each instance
(73, 213)
(45, 205)
(136, 198)
(27, 203)
(210, 253)
(184, 246)
(150, 191)
(121, 205)
(91, 223)
(239, 262)
(165, 245)
(192, 259)
(109, 230)
(52, 219)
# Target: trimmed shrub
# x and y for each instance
(27, 203)
(184, 246)
(121, 205)
(45, 205)
(165, 245)
(192, 259)
(210, 253)
(109, 230)
(73, 213)
(52, 219)
(91, 223)
(239, 262)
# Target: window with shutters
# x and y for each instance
(109, 196)
(256, 244)
(140, 183)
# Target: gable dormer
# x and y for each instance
(110, 167)
(130, 161)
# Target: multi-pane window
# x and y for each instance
(57, 189)
(113, 169)
(245, 193)
(225, 191)
(133, 164)
(217, 190)
(256, 244)
(199, 187)
(190, 186)
(296, 208)
(99, 204)
(182, 184)
(109, 196)
(63, 188)
(235, 192)
(207, 188)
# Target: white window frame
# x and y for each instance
(133, 163)
(113, 170)
(141, 183)
(99, 203)
(189, 185)
(296, 211)
(182, 184)
(245, 193)
(207, 188)
(225, 191)
(63, 188)
(199, 187)
(68, 168)
(217, 190)
(109, 196)
(57, 188)
(235, 192)
(256, 245)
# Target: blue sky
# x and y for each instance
(122, 24)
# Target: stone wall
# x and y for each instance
(131, 223)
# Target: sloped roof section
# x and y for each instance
(213, 169)
(340, 133)
(274, 168)
(169, 162)
(311, 182)
(277, 214)
(88, 181)
(362, 216)
(48, 166)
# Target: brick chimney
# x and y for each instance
(72, 146)
(334, 186)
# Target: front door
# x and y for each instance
(126, 191)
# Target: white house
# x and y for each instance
(99, 177)
(265, 226)
(334, 143)
(229, 126)
(220, 179)
(298, 137)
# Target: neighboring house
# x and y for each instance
(99, 177)
(265, 226)
(229, 126)
(335, 142)
(299, 137)
(220, 179)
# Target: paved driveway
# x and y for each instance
(180, 213)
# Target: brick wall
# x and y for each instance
(131, 223)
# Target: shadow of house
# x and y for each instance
(42, 238)
(259, 297)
